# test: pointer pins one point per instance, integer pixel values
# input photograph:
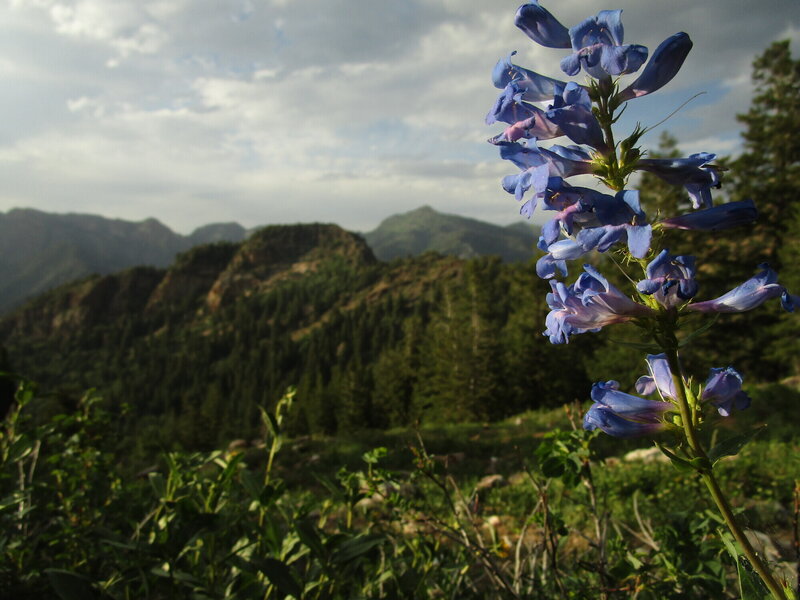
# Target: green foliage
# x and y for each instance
(228, 525)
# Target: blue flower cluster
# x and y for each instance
(538, 108)
(587, 219)
(624, 415)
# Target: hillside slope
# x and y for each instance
(425, 229)
(39, 250)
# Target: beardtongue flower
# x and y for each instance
(597, 47)
(538, 166)
(558, 253)
(589, 304)
(747, 296)
(525, 120)
(694, 173)
(660, 378)
(623, 415)
(724, 390)
(670, 279)
(723, 216)
(533, 86)
(606, 221)
(542, 27)
(621, 217)
(663, 65)
(571, 111)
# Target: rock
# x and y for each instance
(646, 455)
(237, 445)
(490, 482)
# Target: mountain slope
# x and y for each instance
(194, 349)
(39, 250)
(425, 229)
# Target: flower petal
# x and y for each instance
(661, 68)
(541, 26)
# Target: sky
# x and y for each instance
(344, 111)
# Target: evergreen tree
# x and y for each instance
(768, 171)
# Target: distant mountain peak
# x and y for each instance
(425, 229)
(40, 250)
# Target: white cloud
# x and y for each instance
(268, 111)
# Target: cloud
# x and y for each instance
(344, 110)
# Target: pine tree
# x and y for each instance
(768, 171)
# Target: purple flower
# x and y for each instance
(525, 120)
(571, 111)
(588, 305)
(574, 205)
(597, 47)
(747, 296)
(606, 420)
(557, 254)
(661, 68)
(670, 279)
(660, 378)
(621, 217)
(715, 218)
(694, 173)
(604, 220)
(538, 166)
(623, 415)
(533, 86)
(724, 390)
(542, 27)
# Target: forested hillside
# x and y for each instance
(188, 353)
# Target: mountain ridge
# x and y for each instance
(425, 229)
(40, 251)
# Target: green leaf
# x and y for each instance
(732, 445)
(20, 449)
(699, 332)
(250, 483)
(649, 348)
(280, 575)
(679, 463)
(552, 467)
(269, 422)
(308, 535)
(750, 585)
(158, 484)
(69, 585)
(355, 547)
(789, 591)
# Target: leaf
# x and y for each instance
(280, 575)
(308, 535)
(250, 483)
(269, 422)
(732, 445)
(20, 449)
(750, 585)
(649, 348)
(699, 332)
(355, 547)
(158, 484)
(552, 467)
(69, 585)
(679, 463)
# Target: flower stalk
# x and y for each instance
(706, 472)
(587, 220)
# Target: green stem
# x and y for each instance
(707, 473)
